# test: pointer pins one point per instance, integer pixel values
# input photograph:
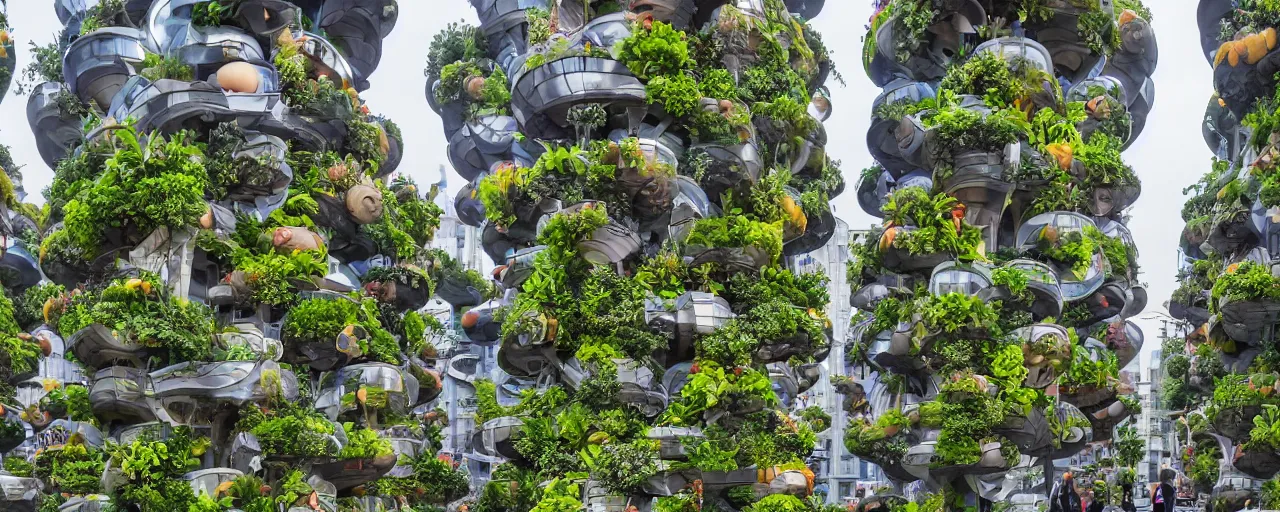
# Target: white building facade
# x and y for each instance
(839, 470)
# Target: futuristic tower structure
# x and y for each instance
(219, 306)
(641, 171)
(995, 296)
(1221, 376)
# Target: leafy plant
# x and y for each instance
(938, 220)
(320, 319)
(433, 482)
(73, 468)
(363, 443)
(778, 503)
(157, 67)
(1246, 281)
(458, 41)
(152, 469)
(146, 185)
(140, 310)
(961, 129)
(291, 431)
(623, 468)
(559, 496)
(735, 231)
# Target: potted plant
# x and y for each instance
(734, 242)
(324, 332)
(921, 231)
(593, 77)
(1245, 293)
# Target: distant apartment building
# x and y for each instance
(1154, 426)
(839, 470)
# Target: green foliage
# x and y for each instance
(1204, 465)
(1103, 164)
(1014, 279)
(320, 319)
(74, 468)
(961, 129)
(952, 312)
(624, 467)
(559, 496)
(433, 481)
(1099, 32)
(678, 94)
(778, 503)
(539, 21)
(1136, 6)
(661, 51)
(713, 387)
(152, 469)
(1086, 372)
(492, 98)
(18, 466)
(709, 456)
(732, 231)
(19, 357)
(363, 443)
(999, 81)
(487, 406)
(1130, 448)
(157, 67)
(140, 310)
(458, 41)
(1270, 495)
(1233, 391)
(915, 18)
(1074, 249)
(291, 430)
(208, 14)
(45, 66)
(933, 216)
(1249, 281)
(144, 186)
(107, 13)
(272, 276)
(74, 400)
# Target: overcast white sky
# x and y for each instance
(1169, 155)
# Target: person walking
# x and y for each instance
(1064, 497)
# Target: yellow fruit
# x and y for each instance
(1257, 46)
(1270, 36)
(1238, 51)
(886, 240)
(1126, 17)
(48, 307)
(1222, 53)
(1063, 154)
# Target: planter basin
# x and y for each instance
(1247, 321)
(97, 64)
(547, 92)
(118, 394)
(97, 346)
(55, 132)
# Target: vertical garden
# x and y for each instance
(218, 306)
(992, 304)
(643, 172)
(1221, 377)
